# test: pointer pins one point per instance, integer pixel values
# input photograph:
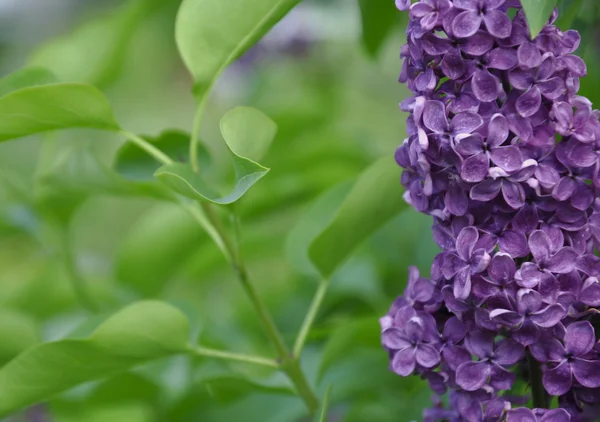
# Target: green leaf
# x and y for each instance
(50, 107)
(375, 199)
(568, 10)
(18, 331)
(235, 127)
(248, 131)
(22, 78)
(537, 12)
(206, 48)
(358, 333)
(314, 220)
(156, 247)
(95, 51)
(322, 416)
(378, 18)
(139, 333)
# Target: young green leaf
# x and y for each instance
(537, 12)
(50, 107)
(19, 332)
(248, 131)
(378, 18)
(182, 179)
(95, 51)
(374, 200)
(139, 333)
(156, 247)
(212, 34)
(22, 78)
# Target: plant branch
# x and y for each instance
(198, 213)
(148, 147)
(310, 317)
(219, 354)
(195, 139)
(538, 392)
(77, 283)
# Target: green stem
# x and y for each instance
(77, 283)
(538, 392)
(195, 139)
(296, 375)
(198, 214)
(148, 147)
(310, 317)
(219, 354)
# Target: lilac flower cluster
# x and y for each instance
(504, 155)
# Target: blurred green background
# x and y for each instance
(334, 97)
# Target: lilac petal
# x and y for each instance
(590, 295)
(486, 190)
(480, 343)
(498, 23)
(513, 194)
(462, 284)
(427, 356)
(509, 352)
(454, 356)
(404, 362)
(478, 44)
(434, 116)
(453, 64)
(574, 64)
(497, 130)
(466, 123)
(583, 197)
(521, 414)
(529, 276)
(486, 86)
(456, 199)
(564, 189)
(587, 372)
(556, 415)
(454, 330)
(465, 242)
(501, 379)
(502, 268)
(528, 301)
(392, 338)
(579, 338)
(466, 24)
(558, 381)
(513, 243)
(527, 334)
(563, 261)
(470, 145)
(529, 56)
(547, 350)
(552, 88)
(529, 103)
(475, 168)
(403, 4)
(471, 376)
(502, 58)
(467, 4)
(507, 158)
(549, 317)
(506, 317)
(435, 46)
(526, 220)
(452, 264)
(521, 79)
(539, 244)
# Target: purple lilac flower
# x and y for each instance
(504, 155)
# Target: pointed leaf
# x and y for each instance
(212, 34)
(51, 107)
(374, 200)
(537, 12)
(22, 78)
(378, 18)
(248, 131)
(139, 333)
(183, 180)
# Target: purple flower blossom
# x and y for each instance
(504, 154)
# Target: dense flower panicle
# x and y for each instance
(504, 154)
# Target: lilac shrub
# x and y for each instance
(503, 153)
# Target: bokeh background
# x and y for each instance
(335, 99)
